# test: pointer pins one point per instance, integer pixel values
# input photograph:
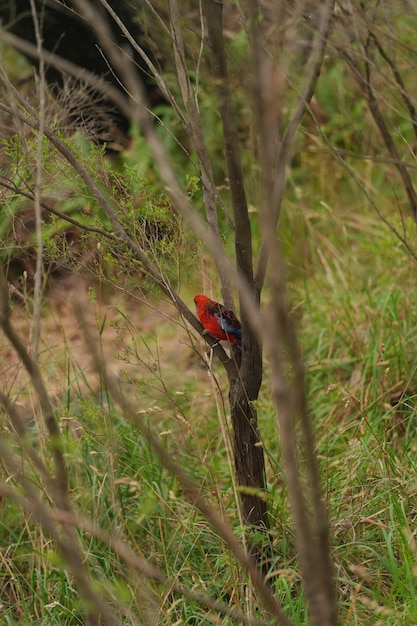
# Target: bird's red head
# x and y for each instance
(200, 299)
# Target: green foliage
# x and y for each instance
(142, 209)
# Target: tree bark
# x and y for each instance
(248, 455)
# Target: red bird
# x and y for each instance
(218, 321)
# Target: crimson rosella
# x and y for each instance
(218, 321)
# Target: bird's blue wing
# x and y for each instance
(229, 325)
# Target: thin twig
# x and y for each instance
(363, 79)
(243, 236)
(289, 392)
(274, 202)
(405, 95)
(38, 278)
(197, 136)
(7, 184)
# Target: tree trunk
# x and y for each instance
(247, 449)
(248, 455)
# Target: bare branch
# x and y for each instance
(155, 73)
(291, 402)
(277, 173)
(363, 78)
(405, 95)
(191, 107)
(37, 288)
(243, 237)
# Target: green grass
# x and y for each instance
(358, 329)
(358, 332)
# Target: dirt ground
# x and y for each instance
(140, 340)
